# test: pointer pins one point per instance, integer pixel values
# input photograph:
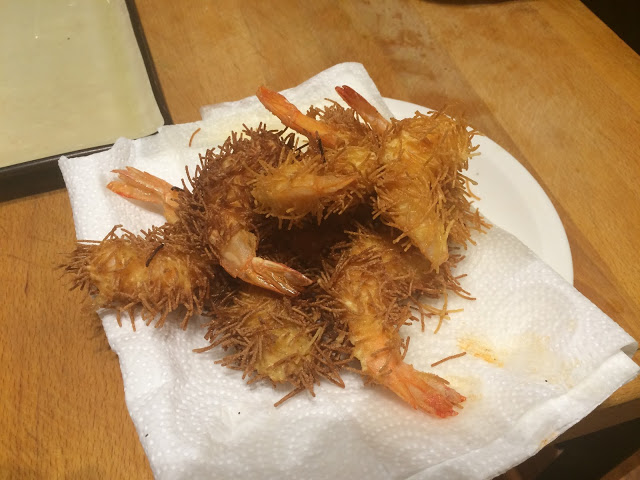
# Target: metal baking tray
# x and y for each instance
(42, 174)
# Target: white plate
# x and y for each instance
(511, 198)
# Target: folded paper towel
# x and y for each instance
(539, 358)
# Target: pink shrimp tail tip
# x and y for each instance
(277, 104)
(367, 111)
(293, 118)
(424, 391)
(350, 96)
(275, 277)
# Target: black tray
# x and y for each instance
(43, 175)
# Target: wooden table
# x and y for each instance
(545, 79)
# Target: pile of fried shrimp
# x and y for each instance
(302, 251)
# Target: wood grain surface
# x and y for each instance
(545, 79)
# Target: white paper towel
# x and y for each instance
(540, 355)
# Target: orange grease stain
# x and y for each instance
(480, 349)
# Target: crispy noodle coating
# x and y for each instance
(325, 179)
(411, 170)
(280, 339)
(371, 279)
(216, 204)
(216, 209)
(153, 274)
(421, 190)
(302, 185)
(377, 212)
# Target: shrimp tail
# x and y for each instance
(239, 259)
(143, 186)
(423, 391)
(368, 112)
(293, 118)
(274, 276)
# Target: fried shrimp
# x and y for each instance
(421, 190)
(217, 211)
(336, 171)
(153, 274)
(301, 185)
(376, 211)
(414, 166)
(369, 282)
(280, 339)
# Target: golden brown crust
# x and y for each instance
(280, 339)
(403, 181)
(421, 190)
(371, 283)
(217, 204)
(153, 274)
